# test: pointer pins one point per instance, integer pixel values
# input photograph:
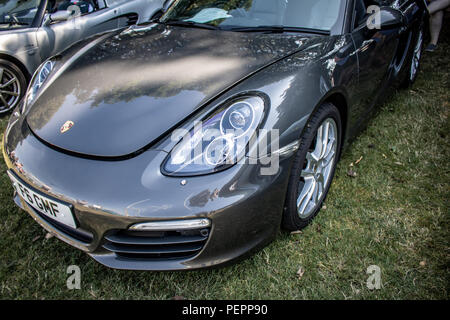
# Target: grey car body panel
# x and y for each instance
(144, 74)
(33, 45)
(243, 205)
(138, 192)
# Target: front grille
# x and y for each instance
(78, 234)
(156, 245)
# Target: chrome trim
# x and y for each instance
(172, 225)
(288, 150)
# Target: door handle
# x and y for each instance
(367, 44)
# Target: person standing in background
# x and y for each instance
(436, 9)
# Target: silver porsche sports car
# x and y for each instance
(33, 30)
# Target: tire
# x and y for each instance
(414, 63)
(13, 85)
(304, 178)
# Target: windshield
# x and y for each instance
(321, 15)
(18, 12)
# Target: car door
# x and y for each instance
(375, 50)
(126, 17)
(413, 14)
(55, 37)
(104, 18)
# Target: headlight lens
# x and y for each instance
(39, 78)
(217, 142)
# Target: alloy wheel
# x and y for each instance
(10, 90)
(318, 168)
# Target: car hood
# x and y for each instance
(122, 92)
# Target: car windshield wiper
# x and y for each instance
(192, 24)
(278, 29)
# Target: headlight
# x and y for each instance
(39, 78)
(217, 142)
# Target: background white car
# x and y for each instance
(33, 30)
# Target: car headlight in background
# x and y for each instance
(39, 78)
(217, 142)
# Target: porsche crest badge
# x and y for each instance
(67, 126)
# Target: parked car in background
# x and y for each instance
(33, 30)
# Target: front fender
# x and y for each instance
(299, 84)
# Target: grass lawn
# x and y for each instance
(393, 214)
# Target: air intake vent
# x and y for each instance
(78, 234)
(132, 19)
(157, 245)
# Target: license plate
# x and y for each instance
(45, 205)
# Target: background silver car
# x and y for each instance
(33, 30)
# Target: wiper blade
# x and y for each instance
(278, 29)
(192, 24)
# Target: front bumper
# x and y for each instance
(243, 206)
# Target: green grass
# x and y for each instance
(394, 214)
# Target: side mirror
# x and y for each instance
(386, 18)
(58, 16)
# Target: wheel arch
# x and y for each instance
(339, 99)
(18, 63)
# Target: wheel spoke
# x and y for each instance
(321, 141)
(309, 196)
(325, 138)
(308, 172)
(7, 84)
(318, 149)
(5, 103)
(320, 186)
(312, 159)
(305, 197)
(330, 148)
(329, 156)
(15, 94)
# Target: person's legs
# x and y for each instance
(438, 5)
(435, 8)
(435, 26)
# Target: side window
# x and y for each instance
(112, 3)
(85, 6)
(361, 7)
(101, 4)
